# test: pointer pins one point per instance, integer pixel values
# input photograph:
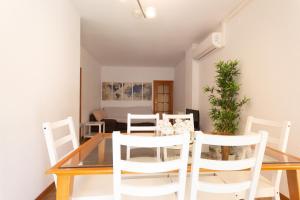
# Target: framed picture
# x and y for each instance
(107, 91)
(137, 91)
(127, 91)
(117, 91)
(147, 91)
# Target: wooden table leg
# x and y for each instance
(64, 187)
(293, 177)
(101, 151)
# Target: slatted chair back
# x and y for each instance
(280, 142)
(53, 143)
(131, 128)
(120, 165)
(254, 163)
(134, 128)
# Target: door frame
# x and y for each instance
(155, 82)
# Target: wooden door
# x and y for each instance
(163, 97)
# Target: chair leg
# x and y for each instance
(277, 196)
(165, 154)
(158, 153)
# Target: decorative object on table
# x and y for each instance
(166, 127)
(107, 91)
(126, 91)
(225, 104)
(181, 125)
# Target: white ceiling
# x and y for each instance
(115, 37)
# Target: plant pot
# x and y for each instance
(225, 150)
(231, 157)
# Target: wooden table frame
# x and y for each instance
(65, 175)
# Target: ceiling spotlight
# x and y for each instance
(150, 12)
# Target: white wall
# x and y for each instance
(39, 81)
(91, 82)
(265, 38)
(191, 81)
(179, 87)
(134, 74)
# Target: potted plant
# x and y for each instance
(225, 104)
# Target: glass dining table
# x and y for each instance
(95, 157)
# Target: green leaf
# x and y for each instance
(223, 97)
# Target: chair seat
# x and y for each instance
(264, 189)
(93, 187)
(147, 181)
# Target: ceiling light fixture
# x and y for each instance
(149, 13)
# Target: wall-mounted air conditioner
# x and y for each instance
(214, 41)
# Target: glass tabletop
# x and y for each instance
(97, 153)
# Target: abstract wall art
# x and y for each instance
(127, 91)
(137, 90)
(117, 91)
(147, 91)
(107, 90)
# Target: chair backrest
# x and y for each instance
(278, 142)
(149, 167)
(54, 143)
(131, 128)
(254, 163)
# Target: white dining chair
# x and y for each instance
(267, 187)
(213, 187)
(86, 187)
(148, 187)
(173, 117)
(142, 130)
